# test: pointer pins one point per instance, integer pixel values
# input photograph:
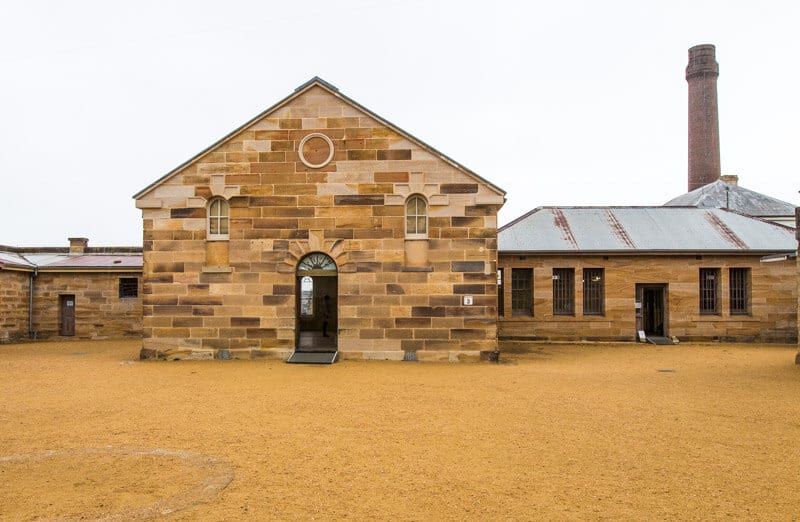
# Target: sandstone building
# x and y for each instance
(77, 292)
(623, 273)
(319, 214)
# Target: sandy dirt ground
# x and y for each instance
(561, 432)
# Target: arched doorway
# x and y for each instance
(317, 304)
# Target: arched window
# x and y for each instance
(218, 219)
(416, 218)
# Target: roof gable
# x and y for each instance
(642, 229)
(319, 83)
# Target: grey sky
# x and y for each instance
(559, 103)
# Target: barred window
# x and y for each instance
(740, 291)
(522, 291)
(218, 211)
(593, 291)
(709, 291)
(500, 296)
(128, 287)
(563, 291)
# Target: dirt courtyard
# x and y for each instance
(562, 432)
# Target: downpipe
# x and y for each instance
(31, 333)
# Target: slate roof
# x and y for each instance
(721, 194)
(643, 229)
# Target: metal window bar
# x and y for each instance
(740, 302)
(593, 291)
(522, 291)
(128, 287)
(709, 282)
(563, 291)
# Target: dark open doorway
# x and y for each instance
(651, 309)
(317, 304)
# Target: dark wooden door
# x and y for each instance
(67, 319)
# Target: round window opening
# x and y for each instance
(316, 150)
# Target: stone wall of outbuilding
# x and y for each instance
(773, 304)
(14, 292)
(99, 311)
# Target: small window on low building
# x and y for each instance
(740, 291)
(563, 291)
(218, 219)
(128, 287)
(500, 296)
(709, 291)
(522, 291)
(416, 218)
(593, 291)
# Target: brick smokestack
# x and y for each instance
(701, 75)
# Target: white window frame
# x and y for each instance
(416, 235)
(219, 217)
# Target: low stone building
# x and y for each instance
(621, 273)
(76, 292)
(320, 225)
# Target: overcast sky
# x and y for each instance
(558, 103)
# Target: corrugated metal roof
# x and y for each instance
(65, 261)
(14, 260)
(721, 194)
(642, 229)
(95, 261)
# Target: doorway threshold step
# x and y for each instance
(655, 339)
(312, 357)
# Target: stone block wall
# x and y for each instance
(99, 311)
(774, 299)
(394, 295)
(14, 292)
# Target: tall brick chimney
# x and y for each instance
(701, 75)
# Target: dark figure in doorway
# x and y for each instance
(326, 314)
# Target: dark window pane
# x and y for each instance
(740, 291)
(709, 294)
(128, 287)
(593, 291)
(522, 291)
(563, 291)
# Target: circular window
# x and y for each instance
(316, 150)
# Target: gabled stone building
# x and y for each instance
(318, 217)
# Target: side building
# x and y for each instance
(70, 293)
(620, 273)
(319, 225)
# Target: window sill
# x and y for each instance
(217, 269)
(417, 269)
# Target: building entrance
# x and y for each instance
(651, 305)
(317, 304)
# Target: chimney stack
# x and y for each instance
(77, 245)
(701, 75)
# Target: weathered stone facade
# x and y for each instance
(396, 294)
(773, 298)
(99, 311)
(14, 296)
(78, 292)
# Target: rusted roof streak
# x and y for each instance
(618, 230)
(724, 231)
(561, 222)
